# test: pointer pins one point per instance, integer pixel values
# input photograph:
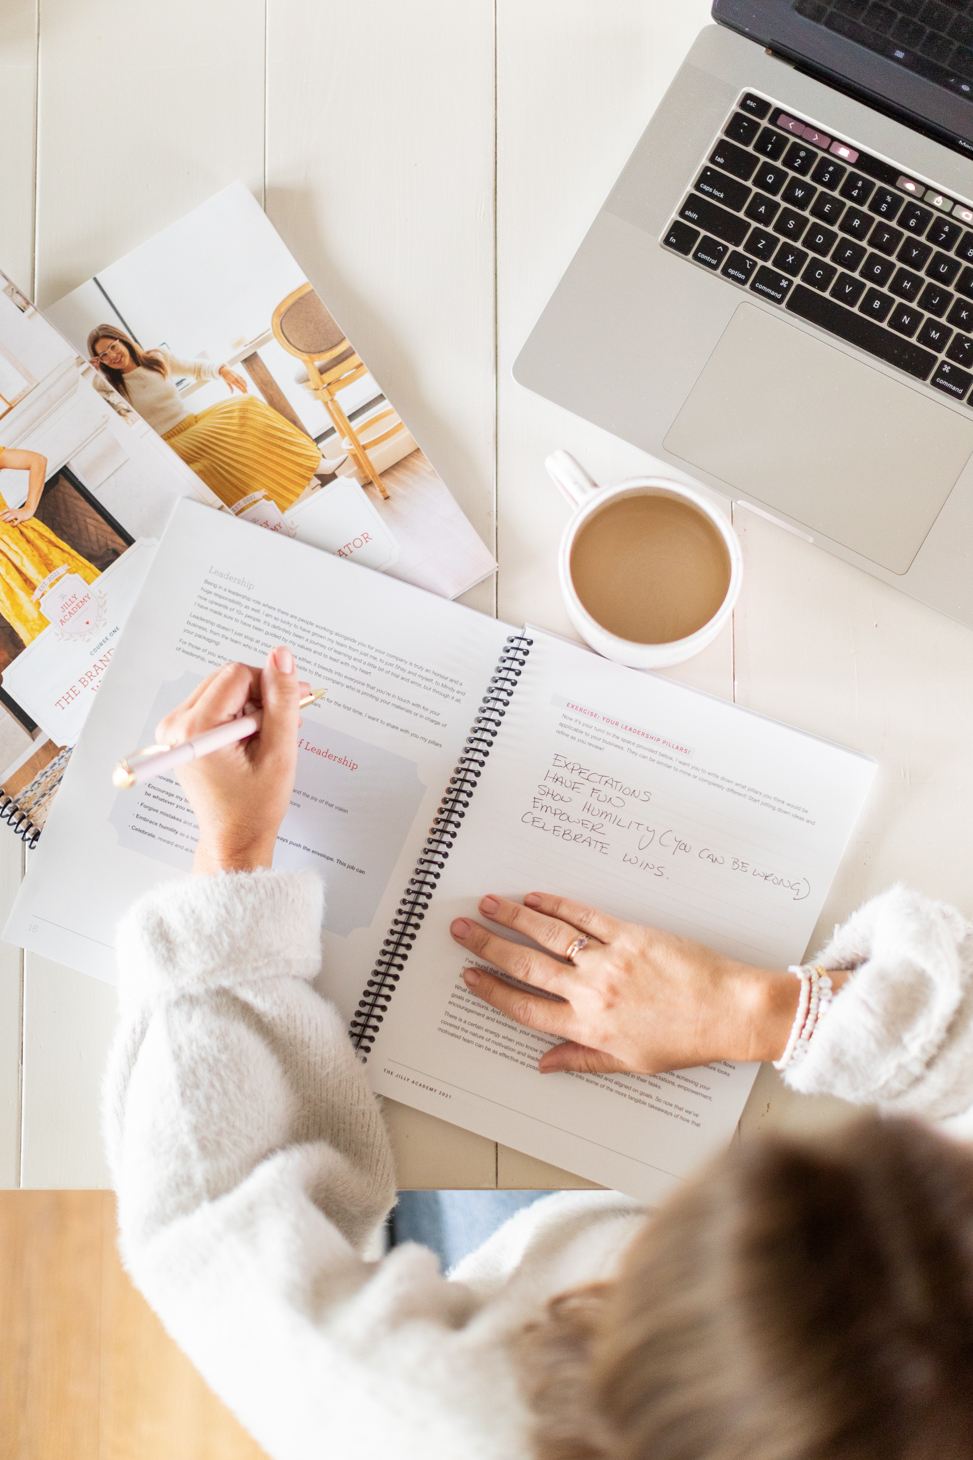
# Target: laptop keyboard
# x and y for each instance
(839, 238)
(931, 38)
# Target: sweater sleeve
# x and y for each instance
(899, 1033)
(197, 369)
(251, 1163)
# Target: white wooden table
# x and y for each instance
(433, 165)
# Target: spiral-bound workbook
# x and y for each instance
(453, 756)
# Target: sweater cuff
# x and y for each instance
(213, 931)
(900, 1031)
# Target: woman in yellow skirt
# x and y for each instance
(29, 550)
(238, 446)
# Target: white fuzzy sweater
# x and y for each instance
(155, 396)
(252, 1165)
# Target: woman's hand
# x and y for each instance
(240, 793)
(634, 998)
(234, 381)
(16, 515)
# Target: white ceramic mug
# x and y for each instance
(588, 498)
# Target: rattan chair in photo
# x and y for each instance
(305, 328)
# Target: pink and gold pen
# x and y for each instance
(155, 760)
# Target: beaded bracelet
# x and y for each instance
(817, 993)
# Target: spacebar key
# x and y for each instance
(856, 330)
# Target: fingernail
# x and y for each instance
(460, 929)
(489, 905)
(284, 660)
(533, 899)
(471, 977)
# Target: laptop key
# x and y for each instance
(710, 251)
(934, 336)
(876, 305)
(713, 219)
(738, 268)
(856, 223)
(798, 193)
(724, 189)
(886, 204)
(915, 220)
(761, 209)
(800, 159)
(904, 319)
(945, 233)
(790, 260)
(761, 244)
(828, 173)
(681, 237)
(884, 238)
(942, 269)
(771, 285)
(820, 240)
(935, 300)
(961, 315)
(790, 225)
(849, 255)
(826, 208)
(876, 269)
(819, 274)
(964, 249)
(734, 160)
(847, 290)
(961, 351)
(964, 284)
(913, 254)
(770, 178)
(906, 285)
(741, 128)
(857, 189)
(755, 105)
(952, 380)
(855, 329)
(771, 144)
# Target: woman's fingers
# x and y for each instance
(524, 1008)
(580, 1058)
(218, 698)
(550, 932)
(586, 919)
(280, 693)
(524, 963)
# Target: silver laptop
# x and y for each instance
(777, 295)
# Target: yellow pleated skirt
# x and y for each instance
(28, 553)
(243, 445)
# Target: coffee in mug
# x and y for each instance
(650, 568)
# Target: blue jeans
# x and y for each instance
(455, 1223)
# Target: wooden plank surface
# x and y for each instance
(87, 1371)
(18, 95)
(11, 1018)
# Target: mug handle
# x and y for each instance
(570, 477)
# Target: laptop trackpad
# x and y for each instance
(792, 421)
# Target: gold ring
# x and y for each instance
(580, 942)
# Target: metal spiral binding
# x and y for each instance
(18, 821)
(378, 991)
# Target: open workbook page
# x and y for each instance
(658, 804)
(405, 672)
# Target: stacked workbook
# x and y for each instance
(453, 756)
(203, 366)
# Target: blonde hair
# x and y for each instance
(797, 1301)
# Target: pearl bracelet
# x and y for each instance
(815, 1001)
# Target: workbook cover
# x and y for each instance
(203, 364)
(212, 334)
(85, 491)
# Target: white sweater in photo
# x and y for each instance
(252, 1166)
(155, 396)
